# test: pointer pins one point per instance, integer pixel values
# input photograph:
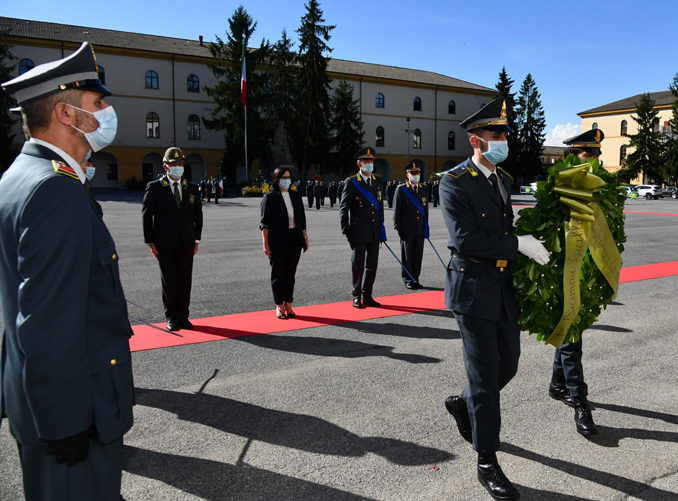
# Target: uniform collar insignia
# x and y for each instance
(164, 181)
(184, 182)
(472, 171)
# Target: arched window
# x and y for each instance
(450, 140)
(622, 154)
(152, 125)
(102, 74)
(380, 136)
(416, 139)
(193, 127)
(193, 83)
(594, 125)
(25, 65)
(417, 104)
(151, 79)
(452, 107)
(380, 100)
(655, 124)
(624, 127)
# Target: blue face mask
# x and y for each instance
(497, 151)
(368, 168)
(414, 178)
(285, 184)
(89, 173)
(103, 135)
(176, 172)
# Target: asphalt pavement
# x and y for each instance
(355, 411)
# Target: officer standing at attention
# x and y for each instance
(172, 219)
(309, 192)
(390, 192)
(332, 190)
(319, 193)
(410, 220)
(361, 212)
(475, 199)
(65, 327)
(567, 380)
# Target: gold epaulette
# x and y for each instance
(460, 171)
(506, 173)
(62, 168)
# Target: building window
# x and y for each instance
(450, 141)
(25, 65)
(193, 83)
(152, 125)
(624, 127)
(622, 155)
(416, 139)
(417, 104)
(102, 74)
(112, 172)
(151, 79)
(193, 127)
(380, 136)
(380, 100)
(594, 125)
(655, 124)
(452, 107)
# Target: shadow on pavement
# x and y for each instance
(215, 481)
(400, 330)
(610, 437)
(616, 482)
(669, 418)
(286, 429)
(528, 493)
(609, 328)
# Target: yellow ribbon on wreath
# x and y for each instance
(586, 229)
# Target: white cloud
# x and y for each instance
(561, 132)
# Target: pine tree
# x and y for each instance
(530, 123)
(311, 136)
(670, 163)
(228, 114)
(346, 128)
(503, 87)
(284, 79)
(7, 121)
(646, 145)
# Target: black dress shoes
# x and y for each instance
(357, 303)
(496, 483)
(410, 285)
(583, 418)
(186, 324)
(456, 406)
(368, 301)
(558, 390)
(173, 325)
(417, 286)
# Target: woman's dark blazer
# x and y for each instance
(274, 217)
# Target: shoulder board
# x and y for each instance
(401, 184)
(375, 175)
(351, 177)
(62, 168)
(505, 173)
(164, 181)
(460, 171)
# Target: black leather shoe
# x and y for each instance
(357, 303)
(558, 390)
(456, 406)
(368, 301)
(186, 324)
(496, 483)
(173, 325)
(417, 286)
(583, 418)
(410, 285)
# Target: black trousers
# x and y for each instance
(317, 202)
(567, 361)
(491, 353)
(310, 202)
(412, 253)
(364, 261)
(284, 261)
(176, 269)
(332, 201)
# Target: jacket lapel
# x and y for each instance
(483, 182)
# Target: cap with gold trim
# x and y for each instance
(492, 116)
(366, 153)
(413, 166)
(174, 155)
(588, 141)
(77, 71)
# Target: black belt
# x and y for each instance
(499, 263)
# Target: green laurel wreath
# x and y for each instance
(539, 289)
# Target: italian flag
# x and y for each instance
(243, 80)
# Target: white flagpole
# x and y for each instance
(246, 164)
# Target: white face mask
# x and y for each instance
(414, 179)
(105, 133)
(368, 168)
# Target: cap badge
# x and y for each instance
(503, 109)
(597, 136)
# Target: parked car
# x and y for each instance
(649, 191)
(670, 191)
(631, 191)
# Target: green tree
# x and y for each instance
(646, 144)
(284, 80)
(670, 163)
(530, 123)
(503, 87)
(346, 128)
(7, 121)
(311, 137)
(228, 115)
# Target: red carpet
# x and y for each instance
(265, 322)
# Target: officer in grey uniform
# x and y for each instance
(65, 365)
(475, 199)
(567, 381)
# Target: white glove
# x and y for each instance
(533, 248)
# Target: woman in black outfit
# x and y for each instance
(283, 233)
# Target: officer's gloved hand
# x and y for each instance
(70, 450)
(533, 248)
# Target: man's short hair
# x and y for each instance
(37, 114)
(572, 151)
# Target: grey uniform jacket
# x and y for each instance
(65, 363)
(480, 241)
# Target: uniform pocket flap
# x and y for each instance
(109, 358)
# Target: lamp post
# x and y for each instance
(408, 138)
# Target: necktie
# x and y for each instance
(497, 193)
(177, 198)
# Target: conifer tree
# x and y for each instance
(284, 80)
(346, 128)
(503, 87)
(530, 123)
(670, 163)
(646, 145)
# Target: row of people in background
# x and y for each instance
(210, 187)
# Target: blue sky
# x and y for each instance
(581, 54)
